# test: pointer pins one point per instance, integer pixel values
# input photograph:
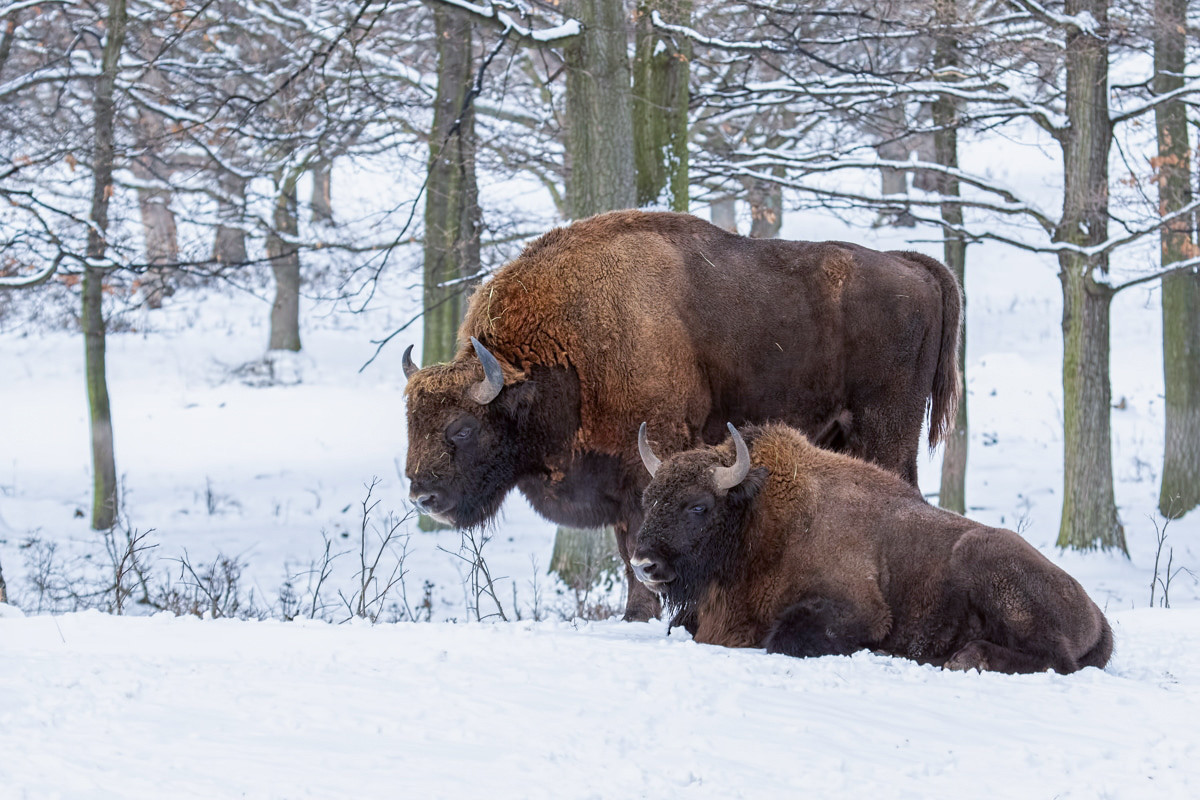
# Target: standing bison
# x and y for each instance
(807, 552)
(632, 316)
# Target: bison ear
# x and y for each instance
(518, 399)
(744, 493)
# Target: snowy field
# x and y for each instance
(100, 707)
(95, 706)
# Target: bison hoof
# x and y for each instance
(973, 656)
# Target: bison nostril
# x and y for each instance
(645, 569)
(427, 501)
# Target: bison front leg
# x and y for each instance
(819, 626)
(641, 604)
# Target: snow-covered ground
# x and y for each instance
(95, 706)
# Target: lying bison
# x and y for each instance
(659, 316)
(807, 552)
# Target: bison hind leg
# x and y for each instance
(817, 626)
(986, 656)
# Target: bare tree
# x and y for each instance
(1180, 489)
(104, 468)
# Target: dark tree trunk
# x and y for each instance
(285, 264)
(599, 116)
(104, 468)
(1180, 490)
(600, 165)
(452, 215)
(660, 107)
(954, 250)
(1089, 514)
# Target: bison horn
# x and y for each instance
(410, 368)
(729, 477)
(648, 458)
(486, 390)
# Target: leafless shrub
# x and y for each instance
(213, 590)
(61, 583)
(311, 603)
(535, 609)
(1169, 573)
(377, 577)
(126, 549)
(478, 580)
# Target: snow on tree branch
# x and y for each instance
(491, 14)
(1083, 22)
(12, 282)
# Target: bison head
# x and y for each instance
(464, 452)
(695, 509)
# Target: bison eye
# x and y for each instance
(699, 508)
(460, 431)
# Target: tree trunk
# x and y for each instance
(162, 240)
(600, 158)
(104, 468)
(660, 107)
(154, 198)
(452, 215)
(322, 194)
(229, 247)
(1089, 515)
(953, 495)
(1180, 490)
(723, 213)
(599, 116)
(766, 208)
(285, 264)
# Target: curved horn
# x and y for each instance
(729, 477)
(410, 368)
(486, 390)
(650, 460)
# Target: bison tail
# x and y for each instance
(947, 380)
